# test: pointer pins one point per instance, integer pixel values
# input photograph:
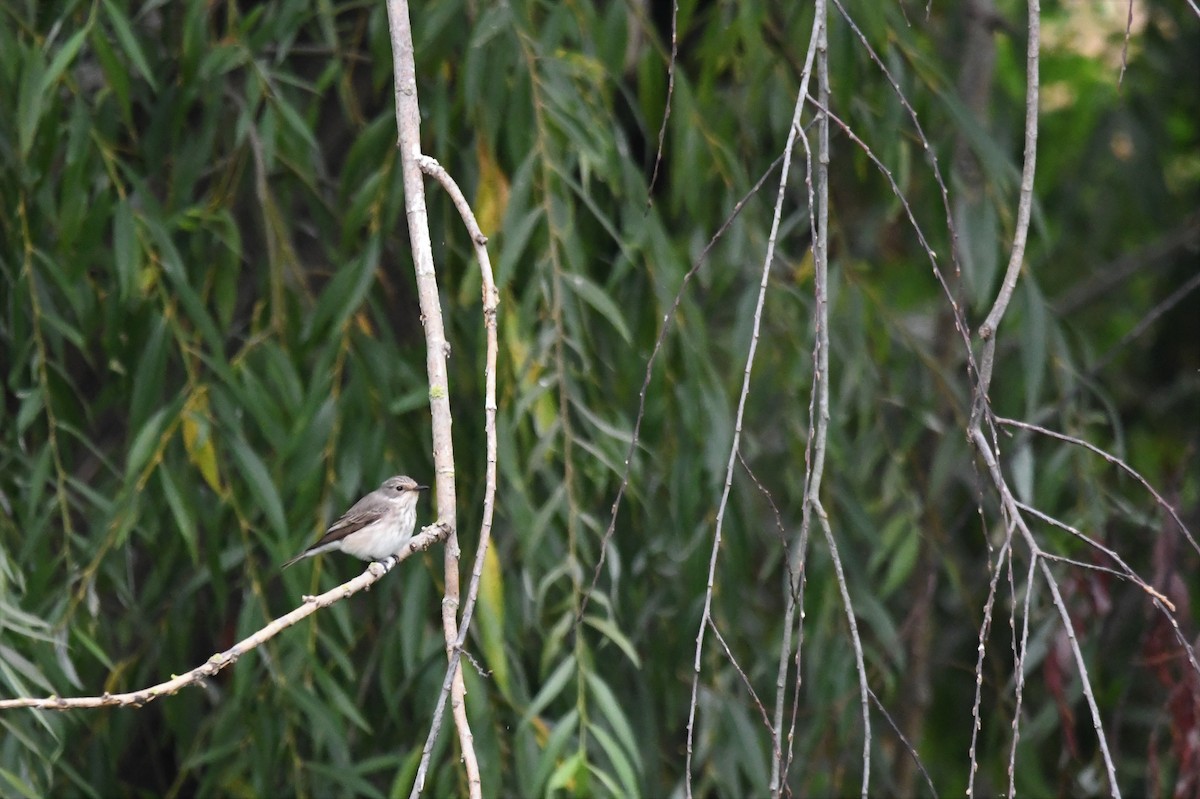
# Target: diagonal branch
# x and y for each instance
(427, 538)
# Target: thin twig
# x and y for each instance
(1160, 601)
(769, 257)
(814, 455)
(762, 710)
(1113, 459)
(912, 751)
(987, 331)
(795, 573)
(1019, 667)
(1125, 45)
(821, 290)
(984, 627)
(1011, 508)
(668, 318)
(662, 130)
(491, 300)
(1127, 572)
(960, 323)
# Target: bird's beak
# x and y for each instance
(421, 488)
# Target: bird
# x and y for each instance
(376, 526)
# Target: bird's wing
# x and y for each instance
(351, 521)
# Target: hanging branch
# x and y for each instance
(706, 618)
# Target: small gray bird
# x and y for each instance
(376, 526)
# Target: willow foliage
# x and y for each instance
(210, 346)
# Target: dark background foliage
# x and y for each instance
(210, 345)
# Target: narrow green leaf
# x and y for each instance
(29, 101)
(262, 488)
(124, 30)
(513, 240)
(125, 255)
(184, 519)
(114, 71)
(149, 376)
(91, 645)
(346, 781)
(10, 658)
(341, 700)
(64, 57)
(144, 444)
(594, 296)
(901, 563)
(567, 773)
(606, 702)
(19, 785)
(30, 408)
(551, 688)
(556, 742)
(607, 780)
(345, 293)
(293, 119)
(610, 631)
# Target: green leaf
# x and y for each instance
(184, 519)
(608, 705)
(561, 735)
(31, 407)
(594, 296)
(262, 488)
(553, 686)
(125, 250)
(609, 783)
(293, 119)
(64, 57)
(30, 98)
(567, 775)
(18, 663)
(344, 294)
(129, 42)
(145, 442)
(610, 631)
(114, 72)
(19, 785)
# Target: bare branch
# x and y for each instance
(1016, 259)
(408, 126)
(1013, 511)
(420, 542)
(491, 300)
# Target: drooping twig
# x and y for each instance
(794, 596)
(793, 132)
(1113, 459)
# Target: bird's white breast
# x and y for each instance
(376, 541)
